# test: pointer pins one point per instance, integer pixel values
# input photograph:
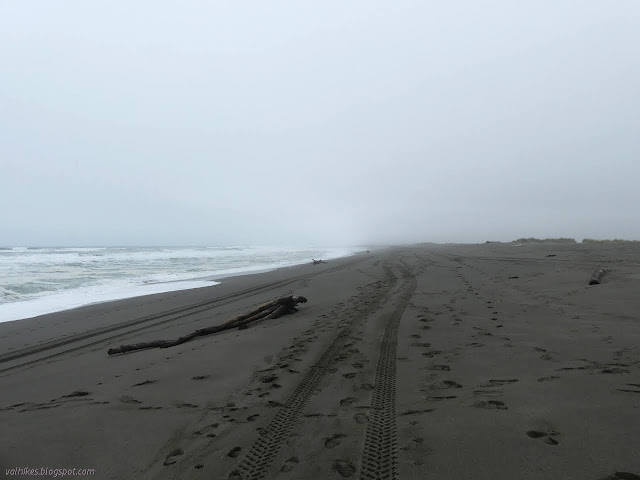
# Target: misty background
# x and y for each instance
(333, 123)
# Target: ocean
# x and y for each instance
(34, 281)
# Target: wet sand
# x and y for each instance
(425, 362)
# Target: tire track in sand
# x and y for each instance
(255, 465)
(380, 452)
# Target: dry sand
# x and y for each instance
(425, 362)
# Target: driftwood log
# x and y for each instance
(273, 309)
(316, 262)
(596, 278)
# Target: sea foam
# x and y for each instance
(39, 280)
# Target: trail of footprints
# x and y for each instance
(442, 389)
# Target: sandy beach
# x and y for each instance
(442, 362)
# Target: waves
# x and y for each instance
(38, 280)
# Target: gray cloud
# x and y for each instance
(342, 123)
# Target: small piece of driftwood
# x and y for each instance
(316, 262)
(596, 278)
(273, 309)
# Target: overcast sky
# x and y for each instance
(334, 122)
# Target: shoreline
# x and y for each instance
(204, 281)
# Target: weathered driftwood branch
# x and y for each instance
(273, 309)
(316, 262)
(596, 278)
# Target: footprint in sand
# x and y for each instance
(77, 393)
(234, 452)
(289, 464)
(212, 426)
(345, 402)
(614, 371)
(498, 383)
(443, 385)
(622, 476)
(444, 368)
(146, 382)
(432, 353)
(128, 399)
(488, 393)
(490, 405)
(361, 418)
(200, 377)
(413, 445)
(171, 458)
(548, 436)
(344, 468)
(416, 412)
(635, 388)
(443, 397)
(334, 440)
(451, 384)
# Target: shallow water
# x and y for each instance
(34, 281)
